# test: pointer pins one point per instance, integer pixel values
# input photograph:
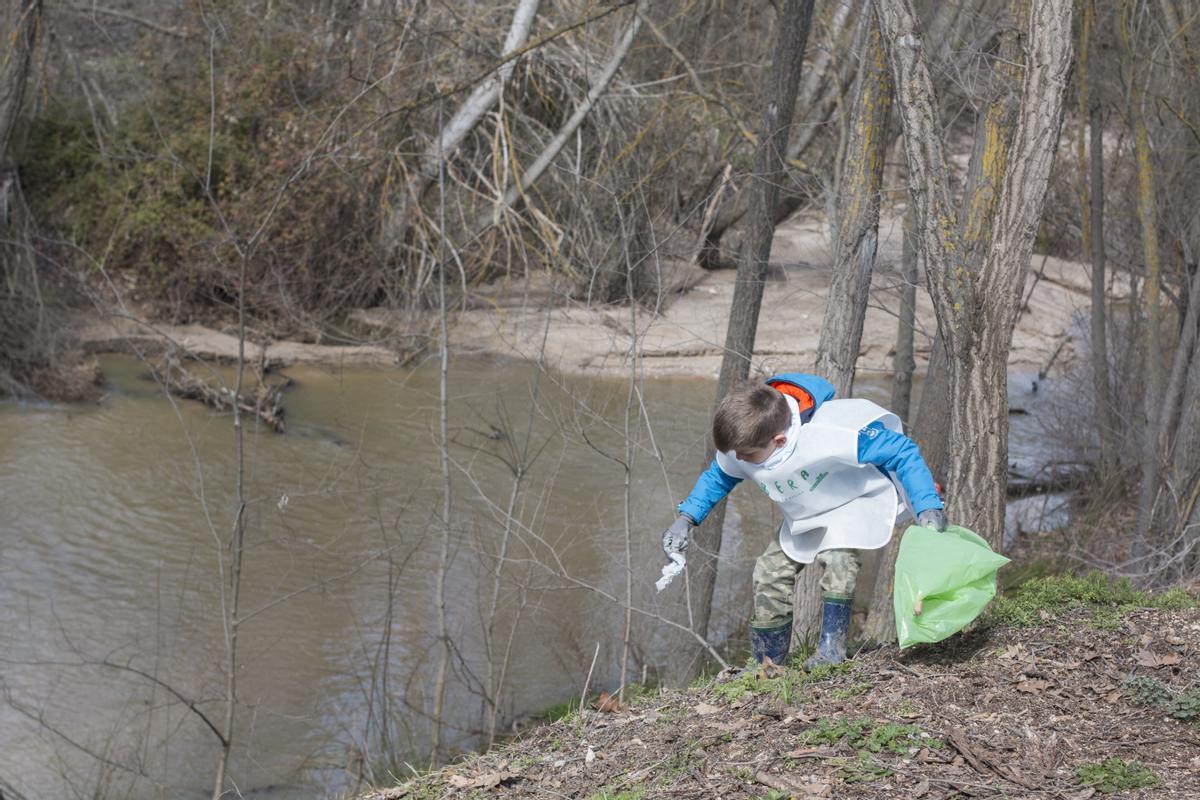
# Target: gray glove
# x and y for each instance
(932, 518)
(676, 538)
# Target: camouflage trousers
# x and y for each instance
(775, 580)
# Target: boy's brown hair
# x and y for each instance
(749, 417)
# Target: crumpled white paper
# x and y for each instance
(670, 571)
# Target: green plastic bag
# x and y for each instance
(953, 576)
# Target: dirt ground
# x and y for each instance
(1001, 712)
(534, 319)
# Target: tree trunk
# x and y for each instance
(881, 620)
(979, 420)
(818, 105)
(790, 40)
(1185, 466)
(905, 364)
(977, 311)
(816, 116)
(1100, 386)
(20, 25)
(857, 221)
(1173, 397)
(439, 597)
(855, 244)
(817, 73)
(22, 323)
(931, 428)
(1152, 352)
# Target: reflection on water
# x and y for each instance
(115, 517)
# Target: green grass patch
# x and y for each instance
(567, 710)
(823, 672)
(1020, 572)
(1115, 775)
(749, 681)
(831, 732)
(785, 684)
(559, 712)
(753, 681)
(853, 690)
(866, 736)
(863, 769)
(1143, 690)
(1108, 598)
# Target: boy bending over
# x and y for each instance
(842, 473)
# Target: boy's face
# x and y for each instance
(758, 455)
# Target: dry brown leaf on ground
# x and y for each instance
(805, 752)
(793, 786)
(1014, 652)
(731, 727)
(609, 704)
(705, 709)
(390, 794)
(1033, 686)
(1148, 658)
(486, 780)
(769, 669)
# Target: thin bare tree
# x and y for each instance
(1147, 212)
(791, 37)
(856, 240)
(904, 364)
(21, 319)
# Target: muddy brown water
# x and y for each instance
(115, 515)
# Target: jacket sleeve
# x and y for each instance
(899, 455)
(712, 485)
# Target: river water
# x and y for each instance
(116, 520)
(115, 516)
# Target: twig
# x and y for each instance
(588, 681)
(93, 11)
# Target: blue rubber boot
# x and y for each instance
(835, 625)
(771, 641)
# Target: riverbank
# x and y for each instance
(1049, 703)
(531, 319)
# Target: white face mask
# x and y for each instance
(783, 453)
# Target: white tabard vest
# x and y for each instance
(829, 500)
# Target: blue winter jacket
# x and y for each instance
(893, 453)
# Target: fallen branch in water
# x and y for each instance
(266, 403)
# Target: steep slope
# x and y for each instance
(1092, 700)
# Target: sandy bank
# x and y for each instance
(523, 319)
(120, 334)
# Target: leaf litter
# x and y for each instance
(1001, 712)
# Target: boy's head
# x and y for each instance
(752, 421)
